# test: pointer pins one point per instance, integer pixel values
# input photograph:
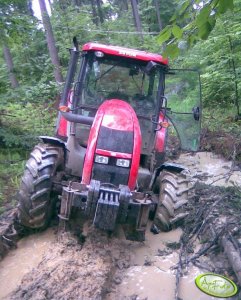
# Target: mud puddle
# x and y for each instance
(108, 267)
(20, 261)
(211, 169)
(150, 275)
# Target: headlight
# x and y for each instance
(120, 162)
(100, 159)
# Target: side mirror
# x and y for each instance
(196, 113)
(150, 67)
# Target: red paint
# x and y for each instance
(63, 123)
(91, 146)
(62, 128)
(136, 152)
(125, 52)
(119, 115)
(161, 134)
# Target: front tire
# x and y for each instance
(36, 203)
(173, 198)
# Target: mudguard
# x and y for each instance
(166, 166)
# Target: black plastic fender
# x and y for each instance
(54, 141)
(166, 166)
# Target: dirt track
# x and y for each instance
(72, 271)
(88, 264)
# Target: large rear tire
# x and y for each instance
(173, 198)
(36, 202)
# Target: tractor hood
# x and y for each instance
(114, 145)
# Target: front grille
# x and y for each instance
(115, 140)
(110, 174)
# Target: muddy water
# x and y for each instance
(20, 261)
(149, 275)
(211, 169)
(156, 280)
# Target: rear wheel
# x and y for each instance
(173, 198)
(36, 203)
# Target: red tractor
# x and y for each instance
(108, 156)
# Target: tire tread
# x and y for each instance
(35, 205)
(173, 197)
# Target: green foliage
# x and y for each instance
(221, 119)
(23, 123)
(192, 21)
(12, 162)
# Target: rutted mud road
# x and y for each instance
(89, 264)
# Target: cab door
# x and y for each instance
(183, 106)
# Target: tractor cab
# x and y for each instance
(110, 72)
(100, 72)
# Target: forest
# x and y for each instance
(202, 35)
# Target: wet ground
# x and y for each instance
(20, 261)
(52, 266)
(209, 168)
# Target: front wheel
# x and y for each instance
(36, 203)
(173, 198)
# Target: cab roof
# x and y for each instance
(125, 52)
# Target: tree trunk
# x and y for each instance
(29, 8)
(9, 62)
(51, 42)
(100, 12)
(136, 17)
(94, 13)
(125, 4)
(50, 6)
(236, 101)
(158, 14)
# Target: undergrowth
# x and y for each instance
(21, 124)
(12, 162)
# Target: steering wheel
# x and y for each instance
(118, 95)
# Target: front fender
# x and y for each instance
(55, 142)
(52, 140)
(166, 166)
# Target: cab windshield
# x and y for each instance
(120, 78)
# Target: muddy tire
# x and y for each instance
(36, 204)
(173, 198)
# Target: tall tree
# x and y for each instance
(9, 62)
(100, 12)
(137, 18)
(51, 42)
(157, 7)
(12, 23)
(94, 13)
